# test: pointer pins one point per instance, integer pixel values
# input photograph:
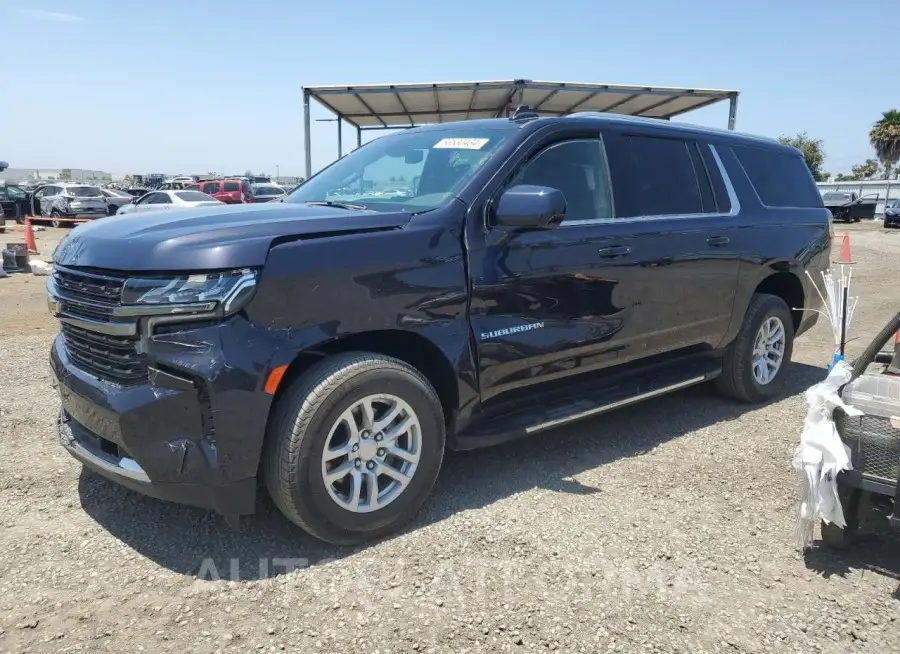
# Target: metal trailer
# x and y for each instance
(401, 106)
(874, 437)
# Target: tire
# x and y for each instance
(54, 218)
(111, 210)
(738, 380)
(841, 539)
(304, 419)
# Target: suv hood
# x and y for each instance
(208, 238)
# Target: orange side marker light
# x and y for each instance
(275, 378)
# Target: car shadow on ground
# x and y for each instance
(194, 542)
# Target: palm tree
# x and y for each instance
(885, 138)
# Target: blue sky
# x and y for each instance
(215, 85)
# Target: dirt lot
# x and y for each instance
(665, 527)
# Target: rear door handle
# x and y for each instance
(614, 251)
(718, 241)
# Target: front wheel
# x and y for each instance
(754, 363)
(354, 447)
(55, 218)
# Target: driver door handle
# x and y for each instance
(718, 241)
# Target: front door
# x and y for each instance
(548, 303)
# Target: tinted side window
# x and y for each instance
(723, 201)
(232, 186)
(578, 169)
(211, 187)
(781, 179)
(663, 176)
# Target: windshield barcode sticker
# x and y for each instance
(461, 144)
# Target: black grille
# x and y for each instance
(92, 296)
(113, 358)
(874, 445)
(88, 295)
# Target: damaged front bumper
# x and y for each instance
(191, 434)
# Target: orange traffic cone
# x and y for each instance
(844, 256)
(29, 238)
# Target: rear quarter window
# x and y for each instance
(781, 179)
(232, 186)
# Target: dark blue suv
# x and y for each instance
(457, 285)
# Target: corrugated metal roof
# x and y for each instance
(407, 105)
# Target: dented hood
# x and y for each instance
(208, 238)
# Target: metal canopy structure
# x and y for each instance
(399, 106)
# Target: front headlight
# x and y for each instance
(232, 289)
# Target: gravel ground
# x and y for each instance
(667, 527)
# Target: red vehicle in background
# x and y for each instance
(230, 191)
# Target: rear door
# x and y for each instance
(674, 204)
(48, 194)
(231, 191)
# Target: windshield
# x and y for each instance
(408, 171)
(269, 190)
(84, 192)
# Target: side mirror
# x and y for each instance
(530, 207)
(134, 200)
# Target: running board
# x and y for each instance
(594, 402)
(550, 424)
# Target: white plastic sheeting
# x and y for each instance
(40, 268)
(822, 454)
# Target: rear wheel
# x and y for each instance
(754, 363)
(354, 447)
(55, 218)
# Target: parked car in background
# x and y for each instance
(892, 213)
(162, 200)
(14, 201)
(2, 225)
(229, 191)
(115, 200)
(267, 192)
(848, 206)
(65, 201)
(137, 191)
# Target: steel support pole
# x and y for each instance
(340, 145)
(359, 137)
(307, 145)
(732, 111)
